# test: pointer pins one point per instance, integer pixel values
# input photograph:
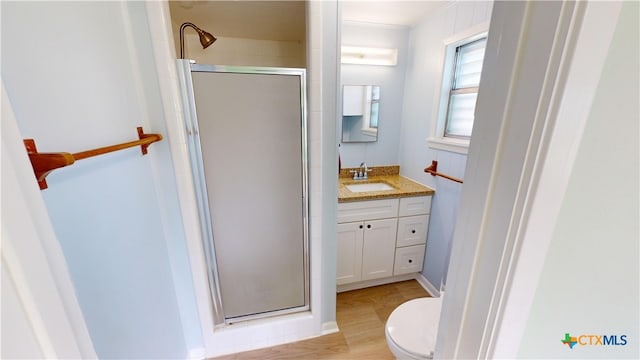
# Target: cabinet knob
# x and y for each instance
(413, 231)
(368, 226)
(410, 261)
(361, 226)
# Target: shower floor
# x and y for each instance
(361, 315)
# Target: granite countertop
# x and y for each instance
(403, 187)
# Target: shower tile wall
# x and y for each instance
(247, 52)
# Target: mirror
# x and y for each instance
(360, 107)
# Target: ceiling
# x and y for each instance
(285, 20)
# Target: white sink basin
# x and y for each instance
(379, 186)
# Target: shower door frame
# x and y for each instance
(194, 151)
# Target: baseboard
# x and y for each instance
(197, 353)
(330, 327)
(432, 290)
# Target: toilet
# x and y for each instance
(412, 328)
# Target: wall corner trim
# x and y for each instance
(330, 327)
(198, 353)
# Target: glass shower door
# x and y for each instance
(252, 141)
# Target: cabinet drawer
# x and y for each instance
(367, 210)
(418, 205)
(408, 259)
(412, 230)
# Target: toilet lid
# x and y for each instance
(413, 326)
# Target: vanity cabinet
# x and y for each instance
(381, 238)
(366, 240)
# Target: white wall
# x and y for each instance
(391, 80)
(421, 94)
(80, 76)
(590, 279)
(243, 52)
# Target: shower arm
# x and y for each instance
(182, 27)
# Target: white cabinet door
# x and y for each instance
(353, 100)
(378, 250)
(349, 260)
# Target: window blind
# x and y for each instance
(464, 88)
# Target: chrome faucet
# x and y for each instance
(362, 172)
(363, 175)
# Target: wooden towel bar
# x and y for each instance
(433, 170)
(44, 163)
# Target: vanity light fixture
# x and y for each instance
(368, 56)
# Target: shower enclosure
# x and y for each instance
(247, 142)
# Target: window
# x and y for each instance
(456, 104)
(375, 106)
(464, 89)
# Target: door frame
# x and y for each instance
(320, 319)
(518, 168)
(33, 261)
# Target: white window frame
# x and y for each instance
(437, 140)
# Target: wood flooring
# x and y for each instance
(361, 316)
